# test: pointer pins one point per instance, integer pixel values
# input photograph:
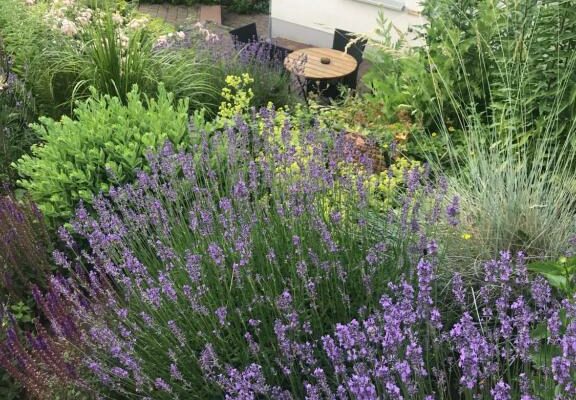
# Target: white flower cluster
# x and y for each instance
(68, 27)
(3, 82)
(84, 17)
(205, 33)
(166, 40)
(70, 17)
(137, 23)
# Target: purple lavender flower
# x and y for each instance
(362, 388)
(216, 253)
(453, 211)
(501, 391)
(160, 384)
(458, 289)
(221, 313)
(175, 373)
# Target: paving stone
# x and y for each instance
(211, 13)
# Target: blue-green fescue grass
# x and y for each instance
(514, 173)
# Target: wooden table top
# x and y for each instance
(341, 64)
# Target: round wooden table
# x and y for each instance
(306, 63)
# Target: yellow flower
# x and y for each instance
(434, 134)
(562, 260)
(466, 236)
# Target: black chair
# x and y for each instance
(278, 54)
(245, 34)
(348, 42)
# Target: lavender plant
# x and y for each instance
(258, 59)
(265, 275)
(272, 227)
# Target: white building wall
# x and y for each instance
(313, 21)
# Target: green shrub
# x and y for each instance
(105, 144)
(239, 6)
(474, 54)
(249, 6)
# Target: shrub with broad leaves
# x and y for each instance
(104, 145)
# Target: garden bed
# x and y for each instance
(175, 222)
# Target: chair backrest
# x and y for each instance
(245, 34)
(278, 54)
(356, 49)
(341, 42)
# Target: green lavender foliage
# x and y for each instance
(106, 143)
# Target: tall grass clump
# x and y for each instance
(514, 196)
(25, 35)
(513, 162)
(113, 60)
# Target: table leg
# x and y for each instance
(302, 83)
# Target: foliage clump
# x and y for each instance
(105, 144)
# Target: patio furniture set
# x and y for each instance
(317, 69)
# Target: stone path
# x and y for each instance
(173, 14)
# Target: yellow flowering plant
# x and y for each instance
(236, 95)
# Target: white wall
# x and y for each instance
(297, 18)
